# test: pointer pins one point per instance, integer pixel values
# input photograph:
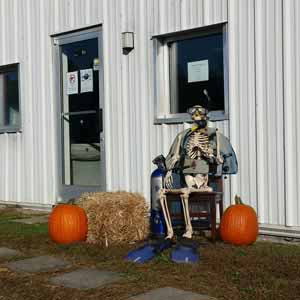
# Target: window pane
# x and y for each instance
(81, 55)
(9, 99)
(196, 65)
(84, 128)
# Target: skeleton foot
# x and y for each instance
(188, 235)
(170, 235)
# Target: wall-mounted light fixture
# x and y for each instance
(127, 41)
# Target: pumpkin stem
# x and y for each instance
(238, 199)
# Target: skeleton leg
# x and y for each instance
(188, 224)
(184, 211)
(164, 206)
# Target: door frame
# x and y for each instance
(67, 192)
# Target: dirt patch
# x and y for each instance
(261, 271)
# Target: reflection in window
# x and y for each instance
(197, 72)
(9, 98)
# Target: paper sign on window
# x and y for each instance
(72, 83)
(86, 80)
(198, 71)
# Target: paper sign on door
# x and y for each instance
(72, 83)
(86, 80)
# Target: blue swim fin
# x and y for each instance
(185, 253)
(148, 251)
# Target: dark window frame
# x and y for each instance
(163, 75)
(5, 69)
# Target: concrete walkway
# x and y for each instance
(85, 279)
(88, 278)
(7, 253)
(169, 293)
(37, 264)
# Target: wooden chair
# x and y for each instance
(202, 207)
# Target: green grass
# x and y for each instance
(11, 229)
(261, 271)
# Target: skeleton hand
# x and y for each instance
(169, 180)
(216, 159)
(219, 160)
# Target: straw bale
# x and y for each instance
(115, 218)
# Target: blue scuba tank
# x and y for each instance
(157, 221)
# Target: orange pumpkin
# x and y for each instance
(239, 224)
(67, 224)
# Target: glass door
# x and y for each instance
(82, 113)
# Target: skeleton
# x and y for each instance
(198, 155)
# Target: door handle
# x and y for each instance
(100, 112)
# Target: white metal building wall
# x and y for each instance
(28, 159)
(291, 69)
(256, 104)
(130, 93)
(263, 91)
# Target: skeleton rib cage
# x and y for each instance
(198, 146)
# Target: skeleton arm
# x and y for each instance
(219, 159)
(172, 159)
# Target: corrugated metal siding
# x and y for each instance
(256, 94)
(28, 159)
(131, 149)
(131, 167)
(242, 97)
(264, 66)
(291, 68)
(269, 111)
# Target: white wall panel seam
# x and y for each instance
(29, 139)
(4, 32)
(296, 67)
(132, 110)
(18, 42)
(44, 104)
(118, 101)
(259, 111)
(207, 11)
(137, 101)
(35, 115)
(146, 166)
(23, 184)
(290, 146)
(266, 119)
(279, 207)
(252, 108)
(232, 54)
(107, 91)
(125, 99)
(53, 107)
(87, 7)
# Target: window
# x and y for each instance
(195, 68)
(9, 98)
